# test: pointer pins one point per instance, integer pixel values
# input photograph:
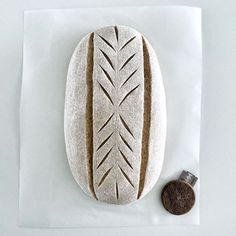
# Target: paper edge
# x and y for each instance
(198, 10)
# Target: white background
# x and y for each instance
(217, 159)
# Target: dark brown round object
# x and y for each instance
(178, 197)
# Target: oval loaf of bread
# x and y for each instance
(115, 115)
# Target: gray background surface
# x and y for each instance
(217, 158)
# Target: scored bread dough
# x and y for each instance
(115, 115)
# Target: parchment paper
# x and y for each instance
(49, 196)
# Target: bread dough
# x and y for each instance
(115, 115)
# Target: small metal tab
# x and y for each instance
(188, 177)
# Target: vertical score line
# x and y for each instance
(89, 112)
(146, 117)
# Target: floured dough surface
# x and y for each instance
(115, 115)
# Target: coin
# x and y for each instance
(178, 197)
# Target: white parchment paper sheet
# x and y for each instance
(49, 196)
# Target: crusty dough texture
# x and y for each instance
(115, 115)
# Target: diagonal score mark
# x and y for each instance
(128, 78)
(116, 33)
(126, 62)
(130, 40)
(126, 176)
(104, 177)
(106, 41)
(125, 142)
(106, 123)
(117, 190)
(104, 158)
(125, 158)
(107, 75)
(106, 93)
(107, 58)
(104, 142)
(125, 125)
(132, 90)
